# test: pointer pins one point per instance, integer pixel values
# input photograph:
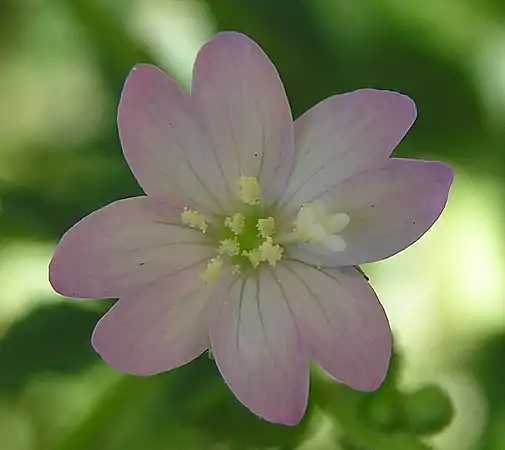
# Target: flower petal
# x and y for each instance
(164, 142)
(258, 351)
(158, 327)
(341, 320)
(124, 245)
(389, 209)
(246, 111)
(343, 136)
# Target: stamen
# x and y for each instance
(229, 247)
(250, 192)
(194, 219)
(255, 257)
(213, 270)
(266, 252)
(235, 223)
(271, 252)
(266, 227)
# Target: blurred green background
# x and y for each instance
(62, 66)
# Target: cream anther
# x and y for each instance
(213, 270)
(229, 247)
(250, 192)
(194, 219)
(235, 223)
(266, 227)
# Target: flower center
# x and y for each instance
(249, 238)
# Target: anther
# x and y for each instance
(250, 192)
(235, 223)
(266, 227)
(194, 219)
(213, 270)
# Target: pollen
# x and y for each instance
(266, 252)
(271, 252)
(235, 223)
(255, 257)
(213, 270)
(229, 247)
(194, 219)
(266, 227)
(250, 192)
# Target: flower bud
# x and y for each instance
(428, 410)
(383, 411)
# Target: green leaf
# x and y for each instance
(210, 406)
(368, 421)
(49, 339)
(190, 407)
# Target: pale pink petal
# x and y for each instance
(389, 209)
(246, 111)
(341, 320)
(258, 350)
(343, 136)
(163, 141)
(126, 244)
(158, 327)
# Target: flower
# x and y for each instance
(249, 236)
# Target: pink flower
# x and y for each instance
(251, 226)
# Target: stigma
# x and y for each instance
(315, 226)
